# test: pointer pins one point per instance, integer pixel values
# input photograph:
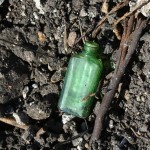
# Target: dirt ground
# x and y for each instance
(33, 61)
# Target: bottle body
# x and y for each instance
(81, 80)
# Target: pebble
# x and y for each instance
(83, 13)
(111, 124)
(72, 17)
(21, 118)
(1, 1)
(145, 10)
(35, 85)
(25, 92)
(138, 98)
(39, 6)
(92, 12)
(76, 142)
(127, 95)
(66, 118)
(86, 136)
(86, 145)
(38, 109)
(57, 76)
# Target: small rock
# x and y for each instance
(58, 75)
(92, 12)
(61, 138)
(111, 18)
(1, 76)
(86, 136)
(35, 16)
(93, 2)
(38, 111)
(28, 56)
(104, 8)
(39, 6)
(28, 134)
(86, 145)
(39, 76)
(143, 128)
(35, 86)
(79, 147)
(47, 89)
(142, 99)
(21, 118)
(77, 4)
(72, 17)
(71, 38)
(111, 124)
(83, 13)
(40, 140)
(37, 108)
(66, 118)
(41, 37)
(138, 98)
(76, 142)
(1, 1)
(25, 92)
(145, 10)
(127, 95)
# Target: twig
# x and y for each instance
(117, 7)
(125, 40)
(13, 123)
(134, 132)
(82, 37)
(131, 12)
(88, 96)
(81, 32)
(115, 80)
(125, 16)
(65, 38)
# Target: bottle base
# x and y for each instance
(71, 112)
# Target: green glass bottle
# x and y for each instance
(81, 80)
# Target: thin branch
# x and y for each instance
(65, 38)
(115, 80)
(131, 12)
(81, 32)
(127, 15)
(12, 122)
(116, 8)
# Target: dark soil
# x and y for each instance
(33, 60)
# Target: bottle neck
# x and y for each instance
(90, 53)
(91, 49)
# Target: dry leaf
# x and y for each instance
(71, 38)
(105, 7)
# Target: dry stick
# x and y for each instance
(125, 43)
(65, 38)
(13, 123)
(117, 7)
(102, 110)
(131, 12)
(127, 15)
(122, 46)
(82, 36)
(81, 32)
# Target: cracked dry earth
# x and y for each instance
(33, 61)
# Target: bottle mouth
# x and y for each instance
(91, 46)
